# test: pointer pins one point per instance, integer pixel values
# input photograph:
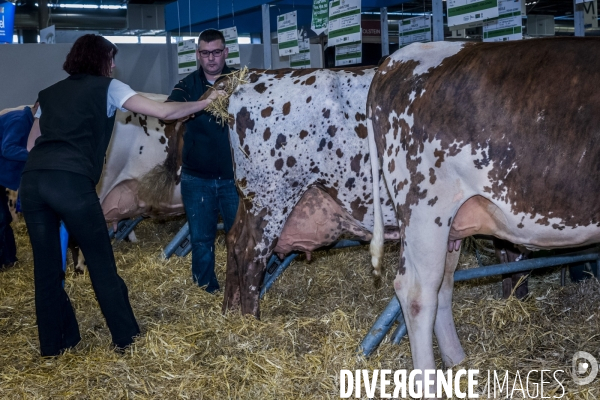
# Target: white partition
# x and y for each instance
(28, 68)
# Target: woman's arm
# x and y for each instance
(34, 133)
(170, 110)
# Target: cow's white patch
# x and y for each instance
(428, 55)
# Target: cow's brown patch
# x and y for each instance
(322, 144)
(392, 165)
(286, 108)
(358, 210)
(253, 77)
(438, 221)
(361, 131)
(243, 122)
(279, 164)
(432, 176)
(144, 124)
(303, 134)
(311, 80)
(265, 113)
(432, 202)
(260, 88)
(339, 153)
(267, 134)
(332, 130)
(280, 141)
(308, 99)
(128, 119)
(326, 113)
(291, 161)
(360, 117)
(355, 163)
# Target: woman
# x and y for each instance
(76, 121)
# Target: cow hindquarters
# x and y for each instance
(245, 271)
(444, 328)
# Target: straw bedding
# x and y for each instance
(313, 319)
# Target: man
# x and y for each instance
(207, 182)
(14, 130)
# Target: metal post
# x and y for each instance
(277, 267)
(180, 244)
(578, 19)
(401, 330)
(381, 326)
(266, 35)
(385, 37)
(171, 67)
(438, 20)
(126, 227)
(43, 14)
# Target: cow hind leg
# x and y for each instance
(245, 269)
(417, 289)
(444, 328)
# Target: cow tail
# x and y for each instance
(376, 247)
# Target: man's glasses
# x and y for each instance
(215, 53)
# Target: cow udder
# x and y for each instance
(316, 221)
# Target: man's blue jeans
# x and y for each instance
(203, 200)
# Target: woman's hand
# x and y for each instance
(215, 94)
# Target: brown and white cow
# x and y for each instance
(483, 138)
(301, 159)
(139, 143)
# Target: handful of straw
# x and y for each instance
(219, 107)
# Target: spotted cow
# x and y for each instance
(302, 167)
(140, 143)
(488, 138)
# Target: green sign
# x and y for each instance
(320, 16)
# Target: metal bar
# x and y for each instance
(183, 233)
(381, 327)
(383, 324)
(519, 266)
(125, 229)
(266, 35)
(385, 36)
(578, 19)
(269, 280)
(438, 20)
(275, 267)
(401, 329)
(181, 242)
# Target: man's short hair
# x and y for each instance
(210, 35)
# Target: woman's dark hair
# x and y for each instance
(90, 54)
